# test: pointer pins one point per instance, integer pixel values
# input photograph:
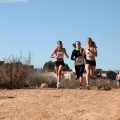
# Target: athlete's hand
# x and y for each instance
(77, 59)
(56, 56)
(67, 56)
(81, 51)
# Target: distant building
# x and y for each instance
(73, 69)
(69, 75)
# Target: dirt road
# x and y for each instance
(63, 104)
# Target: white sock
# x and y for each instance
(58, 83)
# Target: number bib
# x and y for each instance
(88, 53)
(79, 61)
(60, 54)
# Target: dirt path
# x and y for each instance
(63, 104)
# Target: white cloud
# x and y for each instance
(12, 1)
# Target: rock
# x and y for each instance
(44, 85)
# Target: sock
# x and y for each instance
(58, 83)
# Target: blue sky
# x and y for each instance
(36, 25)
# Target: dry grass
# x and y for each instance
(38, 77)
(16, 73)
(100, 84)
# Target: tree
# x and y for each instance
(97, 71)
(1, 63)
(49, 67)
(66, 67)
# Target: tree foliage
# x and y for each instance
(97, 71)
(48, 66)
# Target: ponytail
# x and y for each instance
(94, 44)
(74, 44)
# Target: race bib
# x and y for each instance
(60, 54)
(79, 61)
(88, 53)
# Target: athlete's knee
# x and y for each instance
(92, 74)
(88, 72)
(81, 74)
(59, 72)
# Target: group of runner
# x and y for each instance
(84, 59)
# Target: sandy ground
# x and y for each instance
(62, 104)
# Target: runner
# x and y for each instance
(118, 79)
(79, 62)
(91, 52)
(58, 53)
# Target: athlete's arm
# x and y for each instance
(94, 52)
(66, 53)
(117, 77)
(52, 55)
(82, 52)
(73, 55)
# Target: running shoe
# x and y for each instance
(80, 87)
(76, 77)
(88, 87)
(58, 85)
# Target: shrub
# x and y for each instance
(13, 73)
(69, 84)
(107, 87)
(38, 77)
(105, 84)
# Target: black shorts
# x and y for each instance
(58, 63)
(119, 81)
(90, 62)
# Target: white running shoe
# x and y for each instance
(76, 77)
(58, 85)
(88, 87)
(80, 87)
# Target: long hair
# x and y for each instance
(74, 44)
(118, 72)
(92, 42)
(60, 43)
